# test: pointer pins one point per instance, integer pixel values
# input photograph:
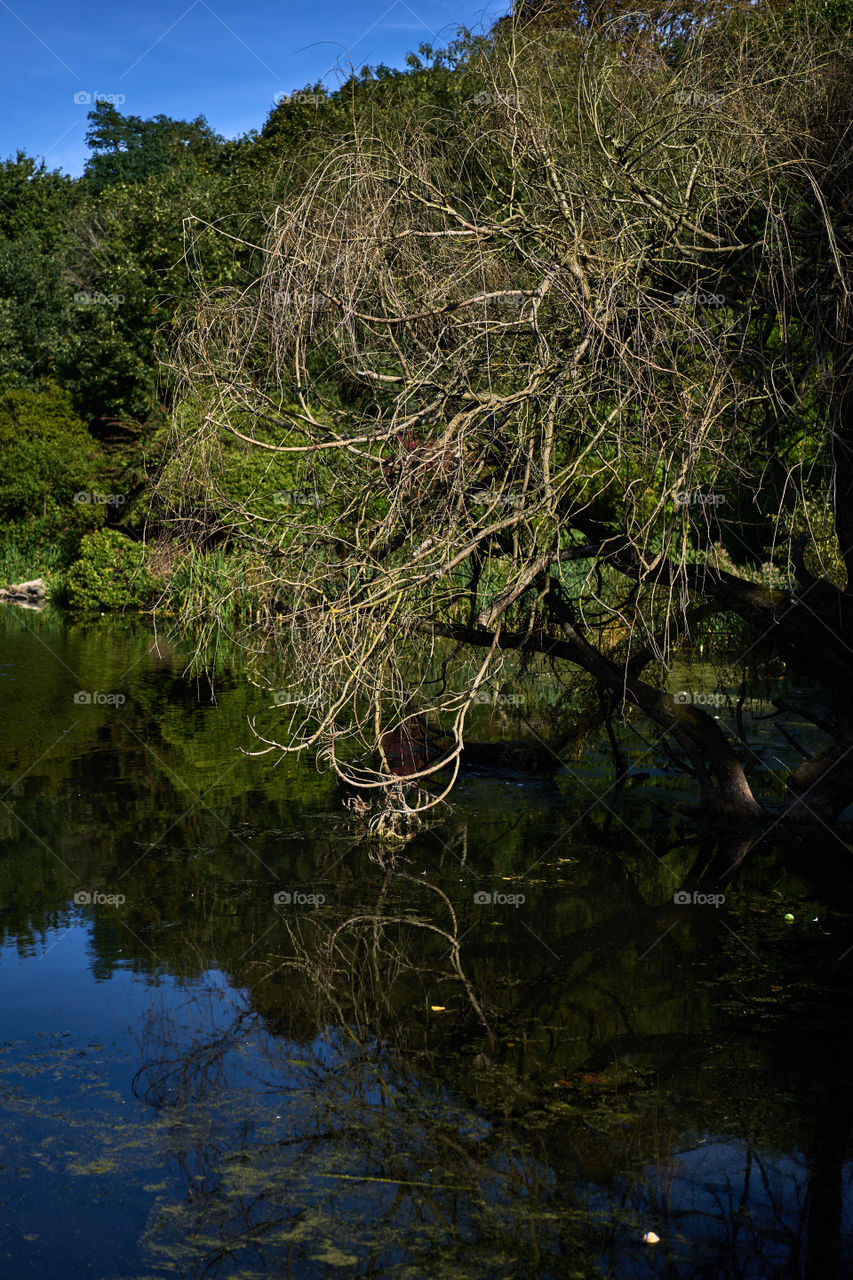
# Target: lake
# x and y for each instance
(560, 1033)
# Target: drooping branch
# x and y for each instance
(725, 790)
(491, 398)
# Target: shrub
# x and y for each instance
(110, 574)
(47, 456)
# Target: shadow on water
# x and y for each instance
(238, 1042)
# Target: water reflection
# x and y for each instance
(508, 1051)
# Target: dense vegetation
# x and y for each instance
(536, 353)
(94, 275)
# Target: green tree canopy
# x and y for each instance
(36, 215)
(128, 148)
(49, 459)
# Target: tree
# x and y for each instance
(130, 148)
(52, 473)
(552, 377)
(35, 218)
(141, 232)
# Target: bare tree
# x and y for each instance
(538, 372)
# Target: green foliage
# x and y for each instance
(211, 591)
(837, 14)
(110, 573)
(48, 458)
(130, 149)
(35, 229)
(19, 562)
(132, 277)
(436, 85)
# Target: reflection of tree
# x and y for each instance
(187, 1074)
(364, 1164)
(371, 950)
(151, 799)
(586, 1054)
(357, 1127)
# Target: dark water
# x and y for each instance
(239, 1040)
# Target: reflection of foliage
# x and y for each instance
(269, 1155)
(374, 1139)
(349, 1103)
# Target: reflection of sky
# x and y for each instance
(67, 1059)
(70, 1051)
(73, 1046)
(70, 1076)
(48, 985)
(718, 1198)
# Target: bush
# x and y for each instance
(110, 574)
(47, 456)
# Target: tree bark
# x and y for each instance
(822, 786)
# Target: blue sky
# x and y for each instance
(223, 59)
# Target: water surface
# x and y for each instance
(239, 1039)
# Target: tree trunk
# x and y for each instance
(725, 792)
(822, 787)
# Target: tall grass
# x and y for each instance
(217, 599)
(209, 584)
(22, 564)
